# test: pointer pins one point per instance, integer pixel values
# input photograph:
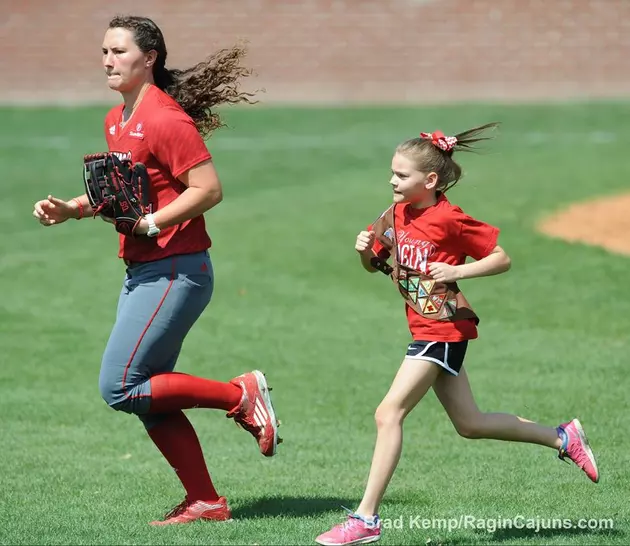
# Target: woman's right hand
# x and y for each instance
(52, 211)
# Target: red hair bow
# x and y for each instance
(446, 143)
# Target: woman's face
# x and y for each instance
(126, 66)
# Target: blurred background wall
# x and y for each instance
(337, 51)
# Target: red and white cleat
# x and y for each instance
(187, 512)
(255, 411)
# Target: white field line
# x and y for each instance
(306, 142)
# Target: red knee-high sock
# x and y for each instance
(176, 391)
(177, 440)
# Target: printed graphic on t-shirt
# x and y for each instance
(413, 252)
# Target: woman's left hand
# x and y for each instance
(142, 228)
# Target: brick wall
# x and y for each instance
(337, 50)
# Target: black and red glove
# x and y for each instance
(117, 189)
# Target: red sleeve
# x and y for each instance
(473, 237)
(176, 143)
(378, 248)
(380, 251)
(109, 125)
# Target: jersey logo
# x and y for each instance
(138, 133)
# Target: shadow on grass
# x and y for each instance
(544, 536)
(264, 507)
(599, 535)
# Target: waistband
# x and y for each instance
(131, 263)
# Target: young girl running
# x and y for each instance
(428, 240)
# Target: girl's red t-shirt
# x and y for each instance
(439, 233)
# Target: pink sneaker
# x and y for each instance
(355, 530)
(575, 446)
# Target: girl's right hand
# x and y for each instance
(52, 211)
(365, 241)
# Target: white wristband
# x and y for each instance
(153, 229)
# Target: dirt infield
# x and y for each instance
(602, 222)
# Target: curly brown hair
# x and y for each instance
(199, 88)
(429, 158)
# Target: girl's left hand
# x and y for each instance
(442, 272)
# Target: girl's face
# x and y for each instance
(126, 66)
(409, 184)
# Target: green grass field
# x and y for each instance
(291, 299)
